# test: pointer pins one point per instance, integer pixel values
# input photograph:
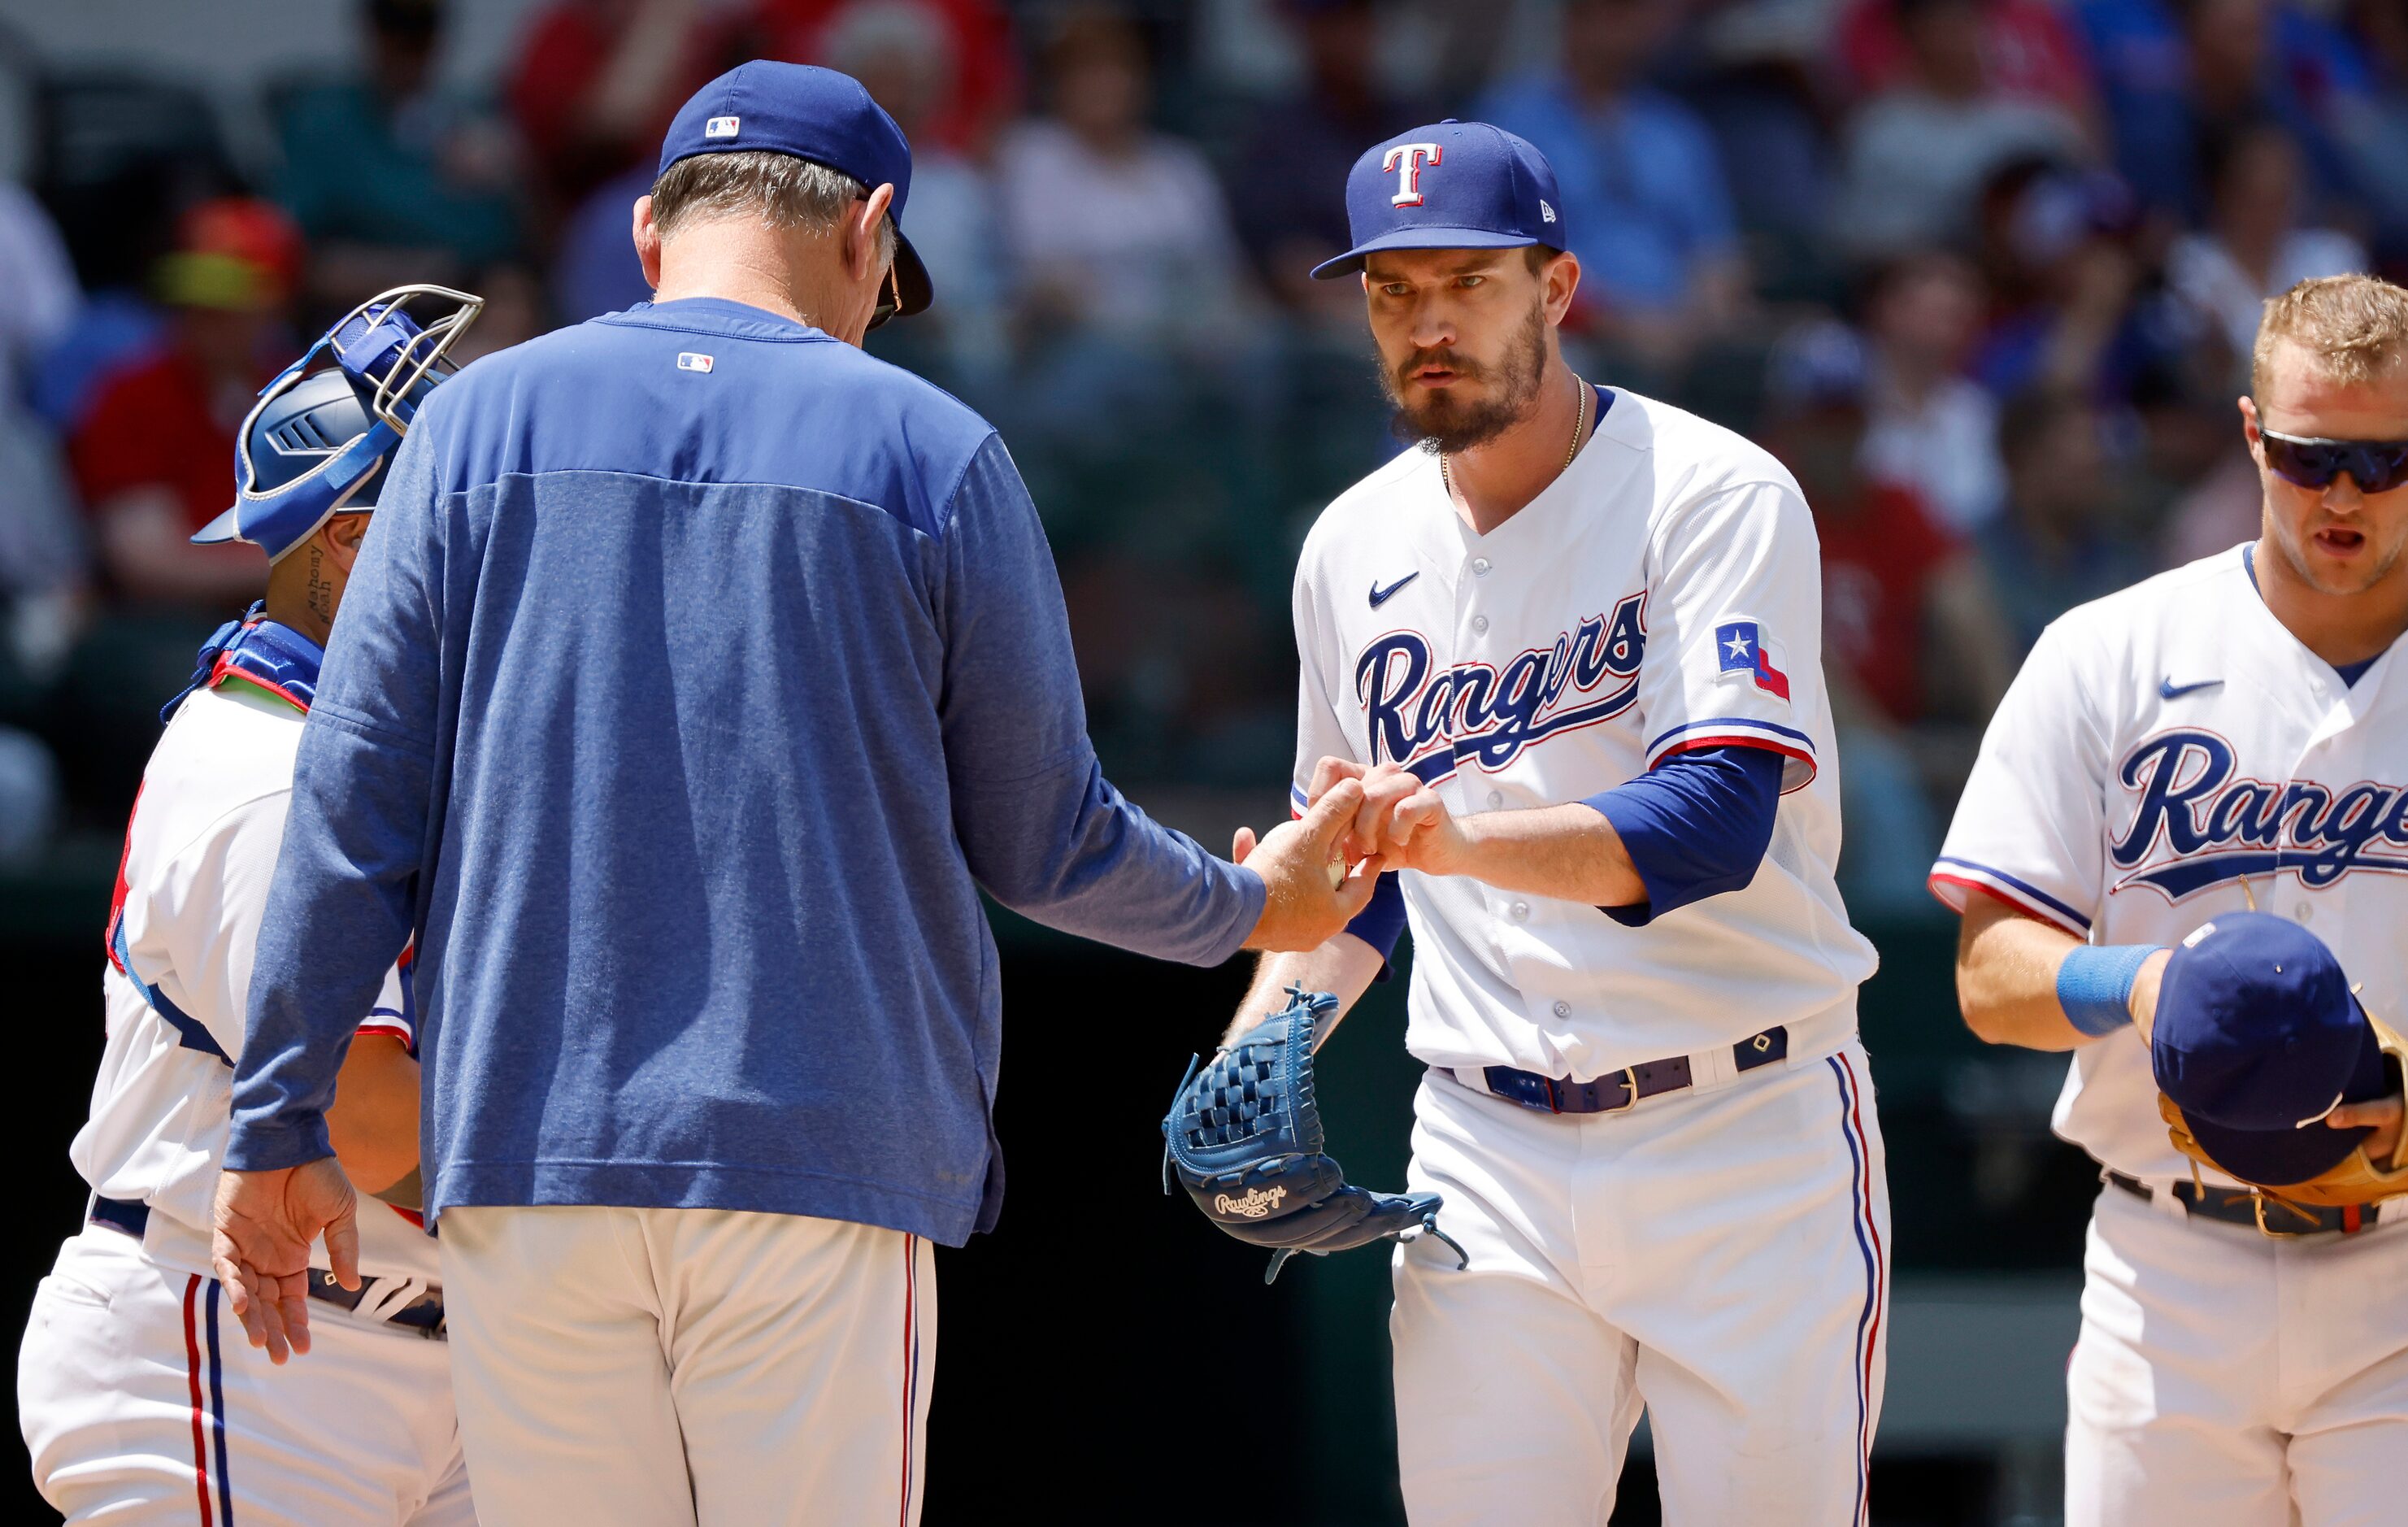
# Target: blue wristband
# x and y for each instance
(2093, 985)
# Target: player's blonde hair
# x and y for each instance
(2355, 326)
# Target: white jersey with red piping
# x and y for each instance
(191, 891)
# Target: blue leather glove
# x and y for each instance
(1245, 1136)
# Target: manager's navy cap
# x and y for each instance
(2257, 1038)
(810, 113)
(1451, 185)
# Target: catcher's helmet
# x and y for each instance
(317, 442)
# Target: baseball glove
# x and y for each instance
(2357, 1179)
(1245, 1136)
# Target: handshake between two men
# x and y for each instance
(1361, 822)
(1357, 823)
(1243, 1135)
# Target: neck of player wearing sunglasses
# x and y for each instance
(833, 282)
(2327, 562)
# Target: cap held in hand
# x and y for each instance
(2257, 1038)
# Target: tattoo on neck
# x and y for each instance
(320, 593)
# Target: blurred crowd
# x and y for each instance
(1983, 272)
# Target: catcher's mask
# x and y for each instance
(2258, 1037)
(317, 442)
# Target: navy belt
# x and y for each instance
(1627, 1087)
(423, 1314)
(2276, 1215)
(130, 1214)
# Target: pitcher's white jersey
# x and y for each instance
(2161, 748)
(191, 894)
(1662, 594)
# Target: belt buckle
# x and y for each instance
(1629, 1091)
(2257, 1198)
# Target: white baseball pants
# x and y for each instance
(2226, 1379)
(689, 1367)
(1717, 1258)
(141, 1402)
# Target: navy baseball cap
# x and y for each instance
(810, 113)
(2257, 1038)
(1451, 185)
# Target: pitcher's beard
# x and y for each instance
(1446, 424)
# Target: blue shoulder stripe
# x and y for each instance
(190, 1032)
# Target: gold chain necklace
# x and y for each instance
(1580, 427)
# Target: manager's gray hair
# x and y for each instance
(778, 189)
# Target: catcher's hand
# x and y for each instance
(1245, 1136)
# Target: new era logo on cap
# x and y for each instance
(722, 126)
(691, 361)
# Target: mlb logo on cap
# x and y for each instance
(689, 360)
(722, 126)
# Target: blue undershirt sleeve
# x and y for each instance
(1382, 921)
(1697, 825)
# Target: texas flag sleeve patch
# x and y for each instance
(1739, 645)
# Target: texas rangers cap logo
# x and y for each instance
(1406, 161)
(1739, 645)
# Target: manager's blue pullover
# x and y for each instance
(696, 672)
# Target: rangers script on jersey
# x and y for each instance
(1662, 594)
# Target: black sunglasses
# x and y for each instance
(2374, 465)
(891, 301)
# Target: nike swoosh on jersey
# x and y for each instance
(1381, 595)
(2167, 689)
